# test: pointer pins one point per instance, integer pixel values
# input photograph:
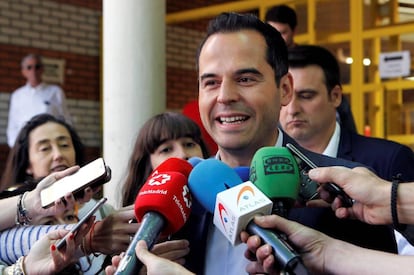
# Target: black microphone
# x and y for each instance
(274, 171)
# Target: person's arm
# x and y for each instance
(18, 241)
(45, 258)
(321, 254)
(372, 195)
(30, 201)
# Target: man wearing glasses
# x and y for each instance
(34, 98)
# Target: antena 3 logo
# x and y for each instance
(159, 179)
(244, 195)
(224, 217)
(278, 165)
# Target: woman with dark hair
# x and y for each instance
(163, 136)
(18, 161)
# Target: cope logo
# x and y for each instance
(253, 173)
(159, 179)
(278, 165)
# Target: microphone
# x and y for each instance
(173, 164)
(209, 178)
(162, 206)
(275, 172)
(195, 160)
(236, 207)
(243, 172)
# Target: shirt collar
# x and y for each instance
(332, 148)
(34, 88)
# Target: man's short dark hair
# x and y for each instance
(282, 14)
(276, 53)
(307, 55)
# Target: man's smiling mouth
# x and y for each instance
(232, 120)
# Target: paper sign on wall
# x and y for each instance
(394, 64)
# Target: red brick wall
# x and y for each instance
(91, 4)
(181, 5)
(81, 72)
(182, 87)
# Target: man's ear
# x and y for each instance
(336, 95)
(286, 89)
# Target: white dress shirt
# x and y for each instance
(28, 101)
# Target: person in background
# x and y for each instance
(69, 216)
(163, 136)
(283, 18)
(34, 98)
(310, 118)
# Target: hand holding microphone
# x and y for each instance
(274, 171)
(162, 207)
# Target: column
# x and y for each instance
(134, 79)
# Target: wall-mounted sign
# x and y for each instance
(394, 64)
(54, 70)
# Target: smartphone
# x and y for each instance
(62, 242)
(308, 189)
(92, 174)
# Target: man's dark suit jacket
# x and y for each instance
(378, 154)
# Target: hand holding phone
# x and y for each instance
(93, 174)
(62, 242)
(308, 190)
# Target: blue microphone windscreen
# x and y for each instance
(195, 160)
(243, 172)
(210, 177)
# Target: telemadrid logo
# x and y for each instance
(159, 179)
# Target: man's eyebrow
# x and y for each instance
(248, 71)
(238, 72)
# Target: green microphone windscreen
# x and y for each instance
(275, 172)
